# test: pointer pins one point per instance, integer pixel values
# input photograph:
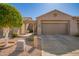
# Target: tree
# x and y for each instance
(9, 18)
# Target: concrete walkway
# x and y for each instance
(59, 45)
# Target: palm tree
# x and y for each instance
(9, 18)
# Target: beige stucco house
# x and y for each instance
(57, 22)
(53, 22)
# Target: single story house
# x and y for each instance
(55, 22)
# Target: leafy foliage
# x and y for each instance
(9, 16)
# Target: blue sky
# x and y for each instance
(36, 9)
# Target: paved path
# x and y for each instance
(59, 45)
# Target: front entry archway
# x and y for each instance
(30, 27)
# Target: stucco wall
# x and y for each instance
(51, 16)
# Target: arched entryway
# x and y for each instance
(30, 27)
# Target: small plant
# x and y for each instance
(30, 38)
(14, 35)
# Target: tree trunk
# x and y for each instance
(6, 34)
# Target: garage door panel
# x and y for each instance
(54, 28)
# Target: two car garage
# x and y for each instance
(54, 27)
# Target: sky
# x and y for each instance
(36, 9)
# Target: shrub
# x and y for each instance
(14, 35)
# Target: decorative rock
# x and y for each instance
(21, 46)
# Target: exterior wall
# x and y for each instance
(77, 23)
(22, 29)
(73, 26)
(38, 27)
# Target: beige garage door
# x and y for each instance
(54, 28)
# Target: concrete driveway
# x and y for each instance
(59, 45)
